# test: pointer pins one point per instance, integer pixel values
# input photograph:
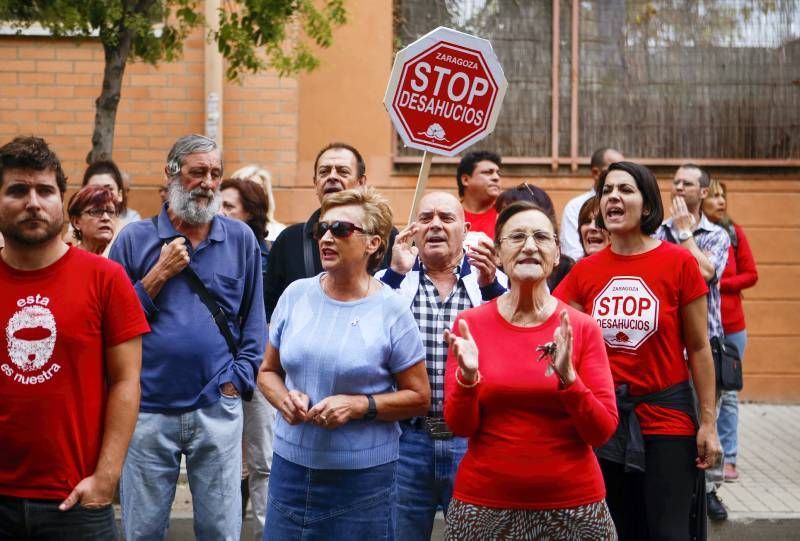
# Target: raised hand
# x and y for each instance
(465, 350)
(682, 219)
(482, 256)
(404, 253)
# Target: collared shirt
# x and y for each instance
(713, 241)
(433, 317)
(185, 358)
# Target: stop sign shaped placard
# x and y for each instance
(445, 91)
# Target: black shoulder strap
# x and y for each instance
(308, 252)
(217, 314)
(668, 234)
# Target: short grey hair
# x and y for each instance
(189, 144)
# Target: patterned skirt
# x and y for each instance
(585, 522)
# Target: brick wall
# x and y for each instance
(49, 87)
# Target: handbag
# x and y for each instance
(727, 364)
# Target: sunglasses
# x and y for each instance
(339, 229)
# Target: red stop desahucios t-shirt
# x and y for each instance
(637, 300)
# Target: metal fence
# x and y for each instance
(715, 81)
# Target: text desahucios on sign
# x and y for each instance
(445, 91)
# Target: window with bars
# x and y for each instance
(660, 79)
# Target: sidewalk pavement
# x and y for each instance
(763, 504)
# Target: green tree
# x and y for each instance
(152, 31)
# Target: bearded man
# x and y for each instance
(69, 376)
(194, 377)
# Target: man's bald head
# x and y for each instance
(443, 200)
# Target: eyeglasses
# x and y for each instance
(540, 238)
(98, 213)
(339, 229)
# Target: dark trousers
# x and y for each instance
(656, 504)
(41, 520)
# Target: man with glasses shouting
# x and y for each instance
(187, 264)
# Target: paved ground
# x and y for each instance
(768, 464)
(764, 504)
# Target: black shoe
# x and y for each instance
(715, 510)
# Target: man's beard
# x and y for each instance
(186, 207)
(16, 233)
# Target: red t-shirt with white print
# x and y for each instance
(58, 322)
(637, 302)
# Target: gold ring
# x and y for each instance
(324, 419)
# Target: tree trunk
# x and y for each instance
(105, 118)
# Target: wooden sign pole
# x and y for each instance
(422, 181)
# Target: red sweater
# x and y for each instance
(740, 273)
(530, 443)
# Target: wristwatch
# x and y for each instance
(684, 235)
(372, 409)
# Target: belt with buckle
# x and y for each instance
(436, 428)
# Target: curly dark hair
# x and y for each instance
(31, 153)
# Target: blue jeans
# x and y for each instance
(211, 439)
(425, 478)
(728, 419)
(306, 504)
(22, 518)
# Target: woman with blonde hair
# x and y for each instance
(261, 176)
(344, 363)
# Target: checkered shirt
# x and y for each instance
(713, 241)
(433, 317)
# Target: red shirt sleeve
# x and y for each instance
(124, 318)
(461, 409)
(590, 400)
(692, 284)
(746, 274)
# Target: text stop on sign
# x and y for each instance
(445, 91)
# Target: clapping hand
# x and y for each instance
(482, 255)
(562, 360)
(465, 351)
